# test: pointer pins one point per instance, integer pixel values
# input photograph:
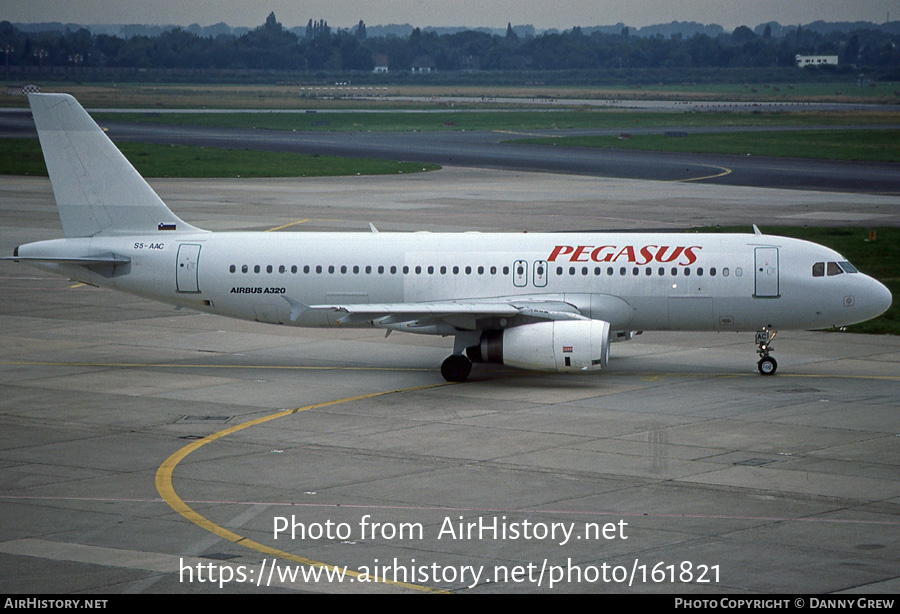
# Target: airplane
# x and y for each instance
(540, 301)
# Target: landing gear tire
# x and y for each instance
(767, 366)
(456, 368)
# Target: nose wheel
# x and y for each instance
(766, 365)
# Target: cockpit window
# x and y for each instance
(820, 269)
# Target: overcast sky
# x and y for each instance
(542, 14)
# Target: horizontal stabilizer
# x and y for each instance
(107, 264)
(84, 261)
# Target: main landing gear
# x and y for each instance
(456, 368)
(766, 365)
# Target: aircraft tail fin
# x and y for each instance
(97, 190)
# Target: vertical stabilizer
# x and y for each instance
(97, 190)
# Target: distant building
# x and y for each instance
(22, 90)
(381, 63)
(816, 60)
(423, 64)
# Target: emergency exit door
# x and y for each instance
(766, 273)
(187, 274)
(520, 273)
(540, 273)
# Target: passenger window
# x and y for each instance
(232, 268)
(818, 269)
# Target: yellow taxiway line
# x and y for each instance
(167, 491)
(287, 225)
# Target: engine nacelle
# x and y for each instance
(561, 345)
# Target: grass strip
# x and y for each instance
(863, 145)
(502, 120)
(24, 157)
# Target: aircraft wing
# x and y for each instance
(463, 315)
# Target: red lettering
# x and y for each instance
(559, 250)
(626, 251)
(691, 257)
(660, 255)
(596, 256)
(646, 254)
(579, 251)
(608, 253)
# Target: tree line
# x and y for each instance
(322, 48)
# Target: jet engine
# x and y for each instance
(561, 345)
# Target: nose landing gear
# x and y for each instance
(766, 365)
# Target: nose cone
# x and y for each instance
(878, 299)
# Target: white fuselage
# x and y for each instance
(634, 281)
